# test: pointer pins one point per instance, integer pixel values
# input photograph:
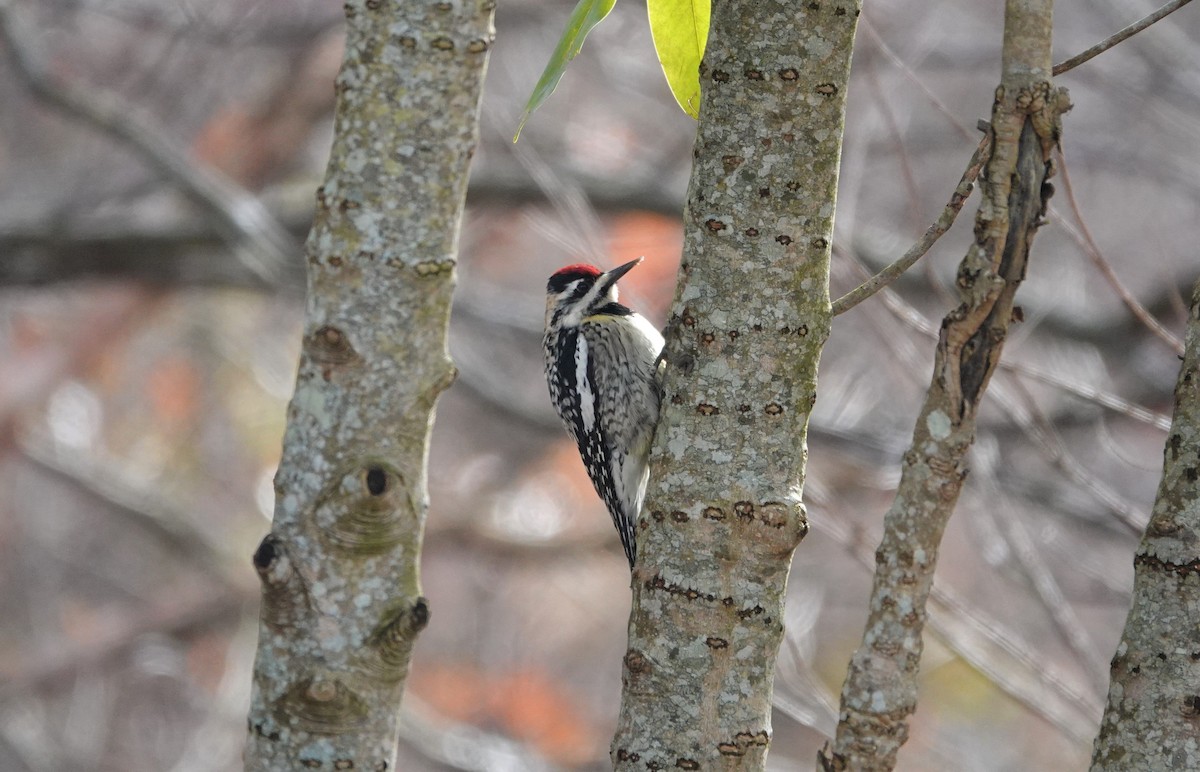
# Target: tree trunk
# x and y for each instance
(751, 313)
(1153, 716)
(880, 691)
(341, 591)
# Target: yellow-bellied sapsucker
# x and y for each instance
(602, 361)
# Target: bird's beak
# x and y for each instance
(609, 278)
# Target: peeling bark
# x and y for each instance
(1152, 720)
(341, 592)
(751, 313)
(880, 691)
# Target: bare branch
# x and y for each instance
(1084, 236)
(1124, 34)
(1150, 720)
(900, 65)
(264, 245)
(201, 610)
(342, 603)
(1037, 571)
(146, 511)
(910, 316)
(899, 149)
(193, 253)
(880, 691)
(1005, 661)
(1038, 427)
(935, 231)
(1105, 399)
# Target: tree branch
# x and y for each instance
(195, 253)
(142, 508)
(935, 231)
(1120, 36)
(1150, 720)
(1092, 249)
(916, 80)
(880, 690)
(342, 604)
(723, 513)
(1040, 576)
(992, 651)
(262, 244)
(198, 610)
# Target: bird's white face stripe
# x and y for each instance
(582, 307)
(587, 399)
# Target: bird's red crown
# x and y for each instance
(577, 269)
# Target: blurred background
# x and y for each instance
(145, 369)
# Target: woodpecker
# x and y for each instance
(602, 364)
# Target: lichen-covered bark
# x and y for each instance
(1153, 716)
(341, 592)
(880, 691)
(751, 313)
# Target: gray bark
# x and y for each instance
(751, 313)
(1152, 720)
(341, 593)
(880, 691)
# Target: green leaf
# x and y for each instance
(680, 30)
(587, 14)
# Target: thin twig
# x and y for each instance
(1039, 428)
(1084, 236)
(931, 277)
(1105, 399)
(909, 315)
(152, 514)
(267, 246)
(1038, 572)
(1036, 425)
(180, 615)
(899, 64)
(880, 99)
(889, 274)
(1124, 34)
(1004, 660)
(1029, 676)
